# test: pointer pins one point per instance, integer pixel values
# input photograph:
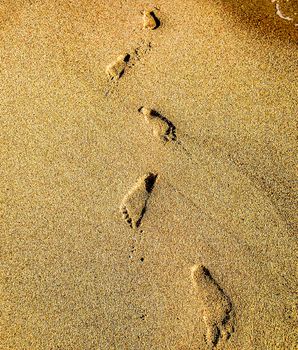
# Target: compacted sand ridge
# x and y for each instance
(148, 174)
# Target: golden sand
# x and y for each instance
(96, 255)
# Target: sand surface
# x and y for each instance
(95, 256)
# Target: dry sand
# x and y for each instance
(202, 258)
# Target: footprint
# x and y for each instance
(134, 204)
(150, 21)
(161, 126)
(123, 63)
(216, 306)
(116, 69)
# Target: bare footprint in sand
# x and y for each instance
(124, 63)
(134, 204)
(116, 69)
(161, 126)
(215, 305)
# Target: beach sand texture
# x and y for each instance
(148, 174)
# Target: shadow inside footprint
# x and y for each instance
(157, 21)
(150, 182)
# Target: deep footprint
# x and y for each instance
(161, 127)
(134, 204)
(215, 304)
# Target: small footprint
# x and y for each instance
(162, 128)
(150, 21)
(123, 63)
(116, 69)
(134, 204)
(215, 304)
